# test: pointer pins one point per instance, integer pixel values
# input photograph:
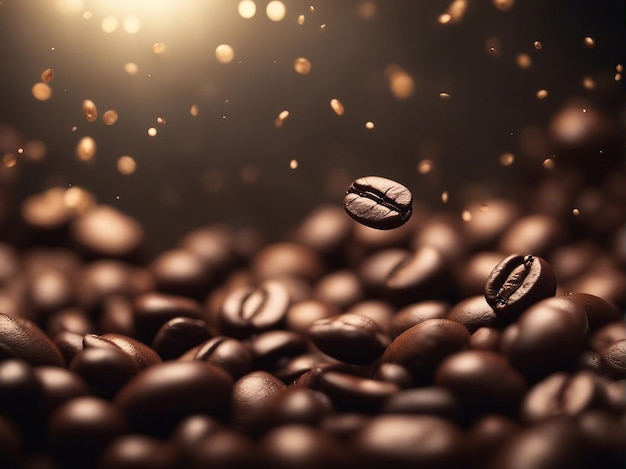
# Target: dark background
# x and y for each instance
(231, 163)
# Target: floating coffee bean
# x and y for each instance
(516, 283)
(351, 338)
(483, 381)
(228, 354)
(250, 395)
(21, 338)
(160, 396)
(613, 359)
(378, 202)
(178, 335)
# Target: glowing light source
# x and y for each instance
(337, 106)
(41, 91)
(275, 10)
(132, 24)
(126, 165)
(86, 148)
(246, 9)
(302, 65)
(109, 24)
(224, 53)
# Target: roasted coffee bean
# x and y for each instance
(555, 443)
(607, 335)
(516, 283)
(292, 369)
(422, 347)
(488, 434)
(224, 448)
(21, 338)
(394, 373)
(341, 288)
(590, 361)
(104, 370)
(152, 310)
(326, 230)
(420, 276)
(178, 335)
(300, 315)
(547, 337)
(483, 381)
(561, 394)
(10, 262)
(405, 441)
(70, 319)
(613, 359)
(444, 232)
(301, 447)
(192, 431)
(376, 268)
(138, 451)
(615, 392)
(378, 202)
(599, 312)
(381, 312)
(436, 401)
(269, 347)
(143, 355)
(251, 394)
(214, 246)
(286, 259)
(473, 313)
(80, 429)
(294, 405)
(48, 291)
(228, 354)
(415, 313)
(573, 260)
(59, 385)
(533, 233)
(470, 276)
(486, 338)
(247, 310)
(350, 338)
(489, 220)
(343, 426)
(180, 272)
(68, 344)
(160, 396)
(117, 316)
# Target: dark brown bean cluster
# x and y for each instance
(493, 343)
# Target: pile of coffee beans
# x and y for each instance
(495, 340)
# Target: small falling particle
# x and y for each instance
(194, 110)
(484, 207)
(493, 46)
(542, 94)
(466, 215)
(131, 68)
(524, 61)
(90, 111)
(20, 151)
(110, 117)
(584, 110)
(369, 125)
(302, 65)
(425, 166)
(224, 53)
(618, 76)
(619, 68)
(400, 82)
(506, 159)
(109, 24)
(538, 45)
(282, 117)
(86, 148)
(337, 106)
(117, 197)
(126, 165)
(9, 160)
(312, 9)
(300, 20)
(323, 26)
(589, 83)
(548, 163)
(246, 9)
(589, 42)
(444, 18)
(444, 95)
(575, 212)
(74, 129)
(152, 132)
(293, 164)
(87, 15)
(275, 10)
(47, 75)
(503, 5)
(444, 197)
(41, 91)
(159, 48)
(161, 121)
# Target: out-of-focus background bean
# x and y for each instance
(444, 96)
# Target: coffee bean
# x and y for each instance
(68, 344)
(533, 233)
(285, 259)
(599, 311)
(376, 268)
(178, 335)
(21, 338)
(292, 369)
(516, 283)
(350, 338)
(486, 338)
(613, 359)
(422, 347)
(247, 310)
(607, 335)
(378, 202)
(341, 288)
(444, 232)
(268, 348)
(431, 400)
(394, 373)
(180, 272)
(22, 396)
(343, 426)
(251, 394)
(326, 230)
(470, 276)
(59, 385)
(160, 396)
(489, 221)
(415, 313)
(604, 434)
(214, 246)
(547, 337)
(48, 291)
(381, 312)
(224, 448)
(70, 319)
(410, 441)
(487, 435)
(473, 313)
(138, 451)
(228, 354)
(483, 381)
(191, 432)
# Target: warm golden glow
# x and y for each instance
(126, 165)
(337, 106)
(224, 53)
(425, 166)
(293, 164)
(90, 111)
(109, 117)
(400, 82)
(503, 5)
(302, 65)
(524, 61)
(47, 75)
(86, 148)
(542, 94)
(275, 10)
(42, 91)
(246, 8)
(506, 159)
(109, 24)
(132, 24)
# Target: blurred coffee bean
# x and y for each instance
(269, 347)
(473, 313)
(69, 344)
(422, 347)
(180, 272)
(178, 335)
(488, 434)
(160, 396)
(394, 373)
(46, 217)
(444, 233)
(192, 431)
(343, 426)
(117, 316)
(290, 370)
(143, 355)
(11, 449)
(326, 230)
(599, 311)
(375, 269)
(572, 260)
(436, 401)
(614, 359)
(607, 335)
(21, 338)
(214, 246)
(483, 381)
(48, 291)
(228, 354)
(350, 338)
(486, 338)
(341, 288)
(10, 263)
(404, 441)
(22, 396)
(247, 310)
(104, 370)
(138, 451)
(605, 281)
(604, 433)
(381, 312)
(250, 395)
(415, 313)
(300, 315)
(80, 430)
(152, 310)
(470, 276)
(287, 259)
(538, 234)
(547, 337)
(69, 319)
(224, 449)
(489, 220)
(59, 385)
(516, 283)
(294, 405)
